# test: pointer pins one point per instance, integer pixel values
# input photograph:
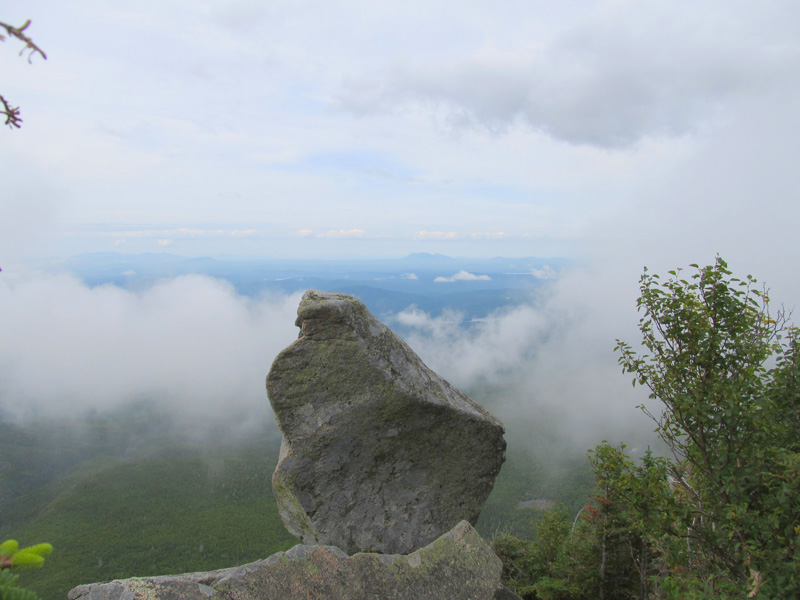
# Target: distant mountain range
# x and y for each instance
(431, 282)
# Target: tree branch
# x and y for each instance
(18, 32)
(12, 112)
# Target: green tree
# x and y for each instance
(558, 564)
(632, 508)
(728, 375)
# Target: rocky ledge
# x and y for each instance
(457, 566)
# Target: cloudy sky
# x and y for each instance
(620, 133)
(353, 128)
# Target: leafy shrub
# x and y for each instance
(727, 373)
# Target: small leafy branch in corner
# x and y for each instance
(12, 112)
(14, 557)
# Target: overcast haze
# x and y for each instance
(618, 133)
(359, 128)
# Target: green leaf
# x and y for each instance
(40, 549)
(26, 560)
(9, 547)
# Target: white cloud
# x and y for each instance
(333, 233)
(436, 235)
(165, 242)
(553, 360)
(172, 232)
(489, 235)
(412, 276)
(462, 276)
(654, 79)
(343, 233)
(191, 343)
(546, 272)
(472, 235)
(617, 75)
(696, 100)
(674, 88)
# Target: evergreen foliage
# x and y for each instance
(557, 564)
(14, 557)
(10, 591)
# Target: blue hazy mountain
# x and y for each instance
(431, 282)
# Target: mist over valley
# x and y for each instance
(106, 369)
(490, 183)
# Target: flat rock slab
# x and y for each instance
(379, 453)
(457, 566)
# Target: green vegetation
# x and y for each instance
(526, 486)
(126, 494)
(14, 557)
(163, 515)
(9, 590)
(721, 517)
(728, 374)
(139, 509)
(718, 517)
(556, 564)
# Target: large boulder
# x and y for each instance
(457, 566)
(379, 453)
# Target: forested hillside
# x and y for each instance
(133, 493)
(157, 509)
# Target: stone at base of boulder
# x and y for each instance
(457, 566)
(505, 594)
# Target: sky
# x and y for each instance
(372, 129)
(617, 133)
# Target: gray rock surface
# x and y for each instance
(379, 453)
(505, 594)
(457, 566)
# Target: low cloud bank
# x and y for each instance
(545, 272)
(200, 352)
(548, 367)
(190, 344)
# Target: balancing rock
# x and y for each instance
(379, 453)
